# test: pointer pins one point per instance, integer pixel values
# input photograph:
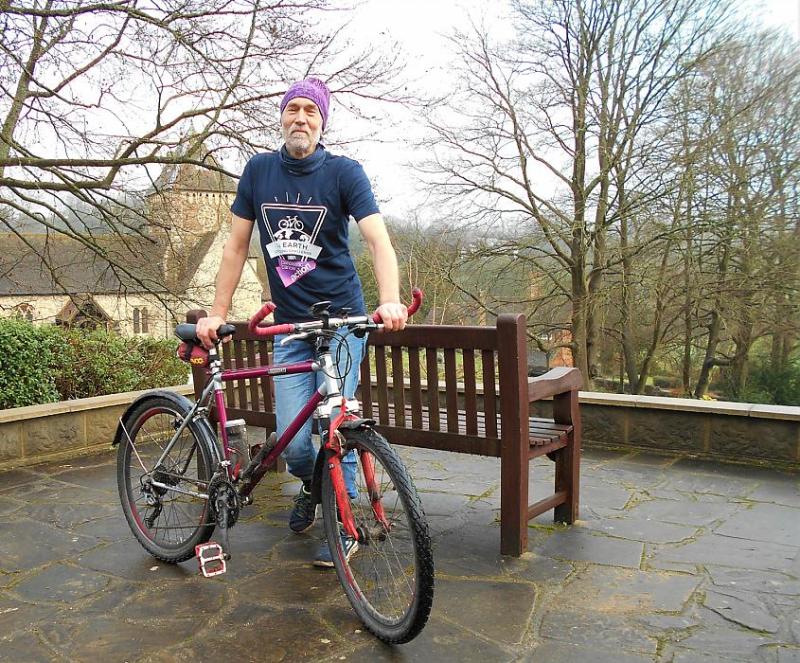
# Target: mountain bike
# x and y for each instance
(178, 481)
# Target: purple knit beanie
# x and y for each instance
(310, 88)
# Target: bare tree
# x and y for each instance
(746, 250)
(552, 123)
(96, 97)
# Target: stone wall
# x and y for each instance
(715, 429)
(36, 433)
(711, 429)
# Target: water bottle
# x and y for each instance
(237, 442)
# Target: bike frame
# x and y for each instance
(321, 404)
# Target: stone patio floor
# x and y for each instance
(673, 560)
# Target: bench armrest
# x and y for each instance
(555, 381)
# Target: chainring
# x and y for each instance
(222, 493)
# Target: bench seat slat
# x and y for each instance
(541, 432)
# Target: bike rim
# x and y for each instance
(383, 574)
(175, 518)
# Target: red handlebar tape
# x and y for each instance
(288, 328)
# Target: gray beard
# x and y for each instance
(301, 144)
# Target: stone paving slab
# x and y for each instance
(673, 561)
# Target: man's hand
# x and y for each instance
(393, 316)
(207, 330)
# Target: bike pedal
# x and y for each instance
(211, 558)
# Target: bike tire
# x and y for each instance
(182, 522)
(390, 581)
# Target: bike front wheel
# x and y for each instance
(389, 579)
(163, 495)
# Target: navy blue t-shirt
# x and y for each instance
(302, 207)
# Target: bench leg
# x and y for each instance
(567, 479)
(514, 470)
(568, 459)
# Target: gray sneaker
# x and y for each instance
(304, 512)
(324, 558)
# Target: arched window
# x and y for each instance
(25, 312)
(136, 321)
(145, 320)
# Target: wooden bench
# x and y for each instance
(482, 409)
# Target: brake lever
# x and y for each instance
(360, 330)
(295, 337)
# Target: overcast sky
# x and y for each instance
(421, 27)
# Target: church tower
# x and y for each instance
(187, 209)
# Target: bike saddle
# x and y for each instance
(188, 332)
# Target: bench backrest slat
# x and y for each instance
(382, 392)
(230, 387)
(266, 383)
(470, 392)
(398, 387)
(415, 382)
(432, 366)
(366, 386)
(489, 392)
(241, 386)
(250, 348)
(451, 389)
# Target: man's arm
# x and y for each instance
(234, 255)
(384, 264)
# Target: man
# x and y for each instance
(302, 197)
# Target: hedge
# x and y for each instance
(45, 363)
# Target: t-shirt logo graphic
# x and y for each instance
(293, 231)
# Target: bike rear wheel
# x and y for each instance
(389, 580)
(168, 521)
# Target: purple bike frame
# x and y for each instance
(293, 428)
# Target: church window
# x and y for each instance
(25, 312)
(141, 320)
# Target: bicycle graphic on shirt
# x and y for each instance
(178, 481)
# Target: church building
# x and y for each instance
(140, 281)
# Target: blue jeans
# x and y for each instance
(292, 392)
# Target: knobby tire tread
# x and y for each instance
(420, 610)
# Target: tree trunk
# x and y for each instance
(708, 360)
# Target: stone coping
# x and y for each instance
(783, 412)
(80, 404)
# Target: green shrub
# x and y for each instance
(26, 364)
(779, 387)
(766, 385)
(47, 364)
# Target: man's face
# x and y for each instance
(301, 123)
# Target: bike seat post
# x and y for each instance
(215, 367)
